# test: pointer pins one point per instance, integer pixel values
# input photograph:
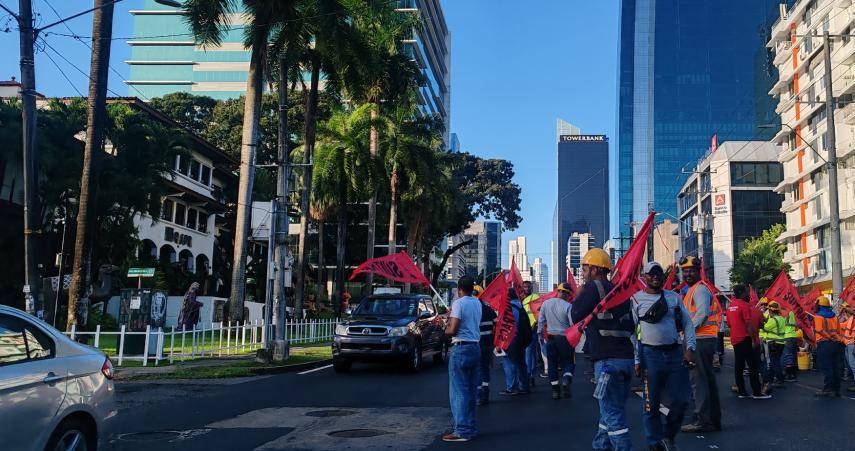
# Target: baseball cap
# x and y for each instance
(650, 266)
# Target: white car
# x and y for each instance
(55, 393)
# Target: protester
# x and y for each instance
(487, 327)
(532, 352)
(706, 318)
(555, 318)
(847, 331)
(610, 348)
(761, 349)
(774, 328)
(516, 373)
(829, 347)
(742, 337)
(464, 361)
(791, 348)
(660, 357)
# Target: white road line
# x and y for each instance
(662, 408)
(315, 369)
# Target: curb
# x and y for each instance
(291, 368)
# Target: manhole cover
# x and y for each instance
(153, 436)
(357, 433)
(329, 413)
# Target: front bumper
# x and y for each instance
(371, 348)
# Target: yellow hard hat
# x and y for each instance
(823, 301)
(774, 305)
(563, 287)
(597, 257)
(477, 290)
(764, 300)
(690, 261)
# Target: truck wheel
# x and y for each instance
(414, 362)
(441, 356)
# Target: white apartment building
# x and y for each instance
(517, 253)
(540, 275)
(578, 244)
(727, 200)
(797, 44)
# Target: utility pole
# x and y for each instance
(280, 253)
(833, 199)
(96, 115)
(32, 221)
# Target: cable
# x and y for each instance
(75, 66)
(70, 83)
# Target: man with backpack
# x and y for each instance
(516, 371)
(555, 319)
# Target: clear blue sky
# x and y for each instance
(516, 67)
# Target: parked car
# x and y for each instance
(55, 393)
(400, 328)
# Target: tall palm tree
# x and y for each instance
(208, 21)
(320, 211)
(411, 140)
(344, 172)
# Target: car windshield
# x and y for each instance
(387, 307)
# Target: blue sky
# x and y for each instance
(515, 69)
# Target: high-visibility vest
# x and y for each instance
(711, 326)
(827, 329)
(532, 297)
(774, 329)
(791, 328)
(847, 330)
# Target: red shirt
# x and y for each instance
(739, 317)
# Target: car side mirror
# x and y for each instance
(425, 315)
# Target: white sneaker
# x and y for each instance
(762, 396)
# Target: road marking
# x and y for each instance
(662, 408)
(315, 369)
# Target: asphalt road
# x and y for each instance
(375, 407)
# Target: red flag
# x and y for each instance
(496, 294)
(506, 327)
(571, 281)
(753, 300)
(626, 282)
(784, 293)
(535, 304)
(516, 280)
(672, 275)
(396, 267)
(848, 294)
(808, 301)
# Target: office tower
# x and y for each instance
(482, 257)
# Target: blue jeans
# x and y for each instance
(776, 351)
(464, 378)
(613, 431)
(829, 357)
(485, 365)
(516, 374)
(561, 357)
(664, 373)
(532, 354)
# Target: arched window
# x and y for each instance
(147, 251)
(168, 255)
(186, 261)
(203, 266)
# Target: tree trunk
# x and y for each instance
(393, 211)
(319, 281)
(341, 241)
(249, 143)
(96, 116)
(311, 122)
(373, 149)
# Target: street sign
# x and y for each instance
(140, 272)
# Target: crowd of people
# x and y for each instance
(670, 338)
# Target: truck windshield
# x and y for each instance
(387, 307)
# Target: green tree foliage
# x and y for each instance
(191, 111)
(760, 260)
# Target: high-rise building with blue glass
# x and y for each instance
(165, 58)
(687, 71)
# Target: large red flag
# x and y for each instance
(848, 294)
(672, 275)
(753, 300)
(783, 292)
(808, 301)
(496, 294)
(535, 304)
(516, 280)
(396, 267)
(626, 282)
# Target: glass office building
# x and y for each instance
(583, 192)
(687, 71)
(165, 58)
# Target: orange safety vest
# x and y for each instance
(826, 329)
(847, 330)
(712, 325)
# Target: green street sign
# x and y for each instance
(140, 272)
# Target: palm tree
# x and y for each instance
(208, 21)
(408, 157)
(320, 210)
(344, 172)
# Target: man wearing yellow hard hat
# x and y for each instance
(829, 347)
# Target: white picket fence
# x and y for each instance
(216, 340)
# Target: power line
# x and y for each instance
(70, 83)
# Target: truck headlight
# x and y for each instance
(398, 331)
(341, 329)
